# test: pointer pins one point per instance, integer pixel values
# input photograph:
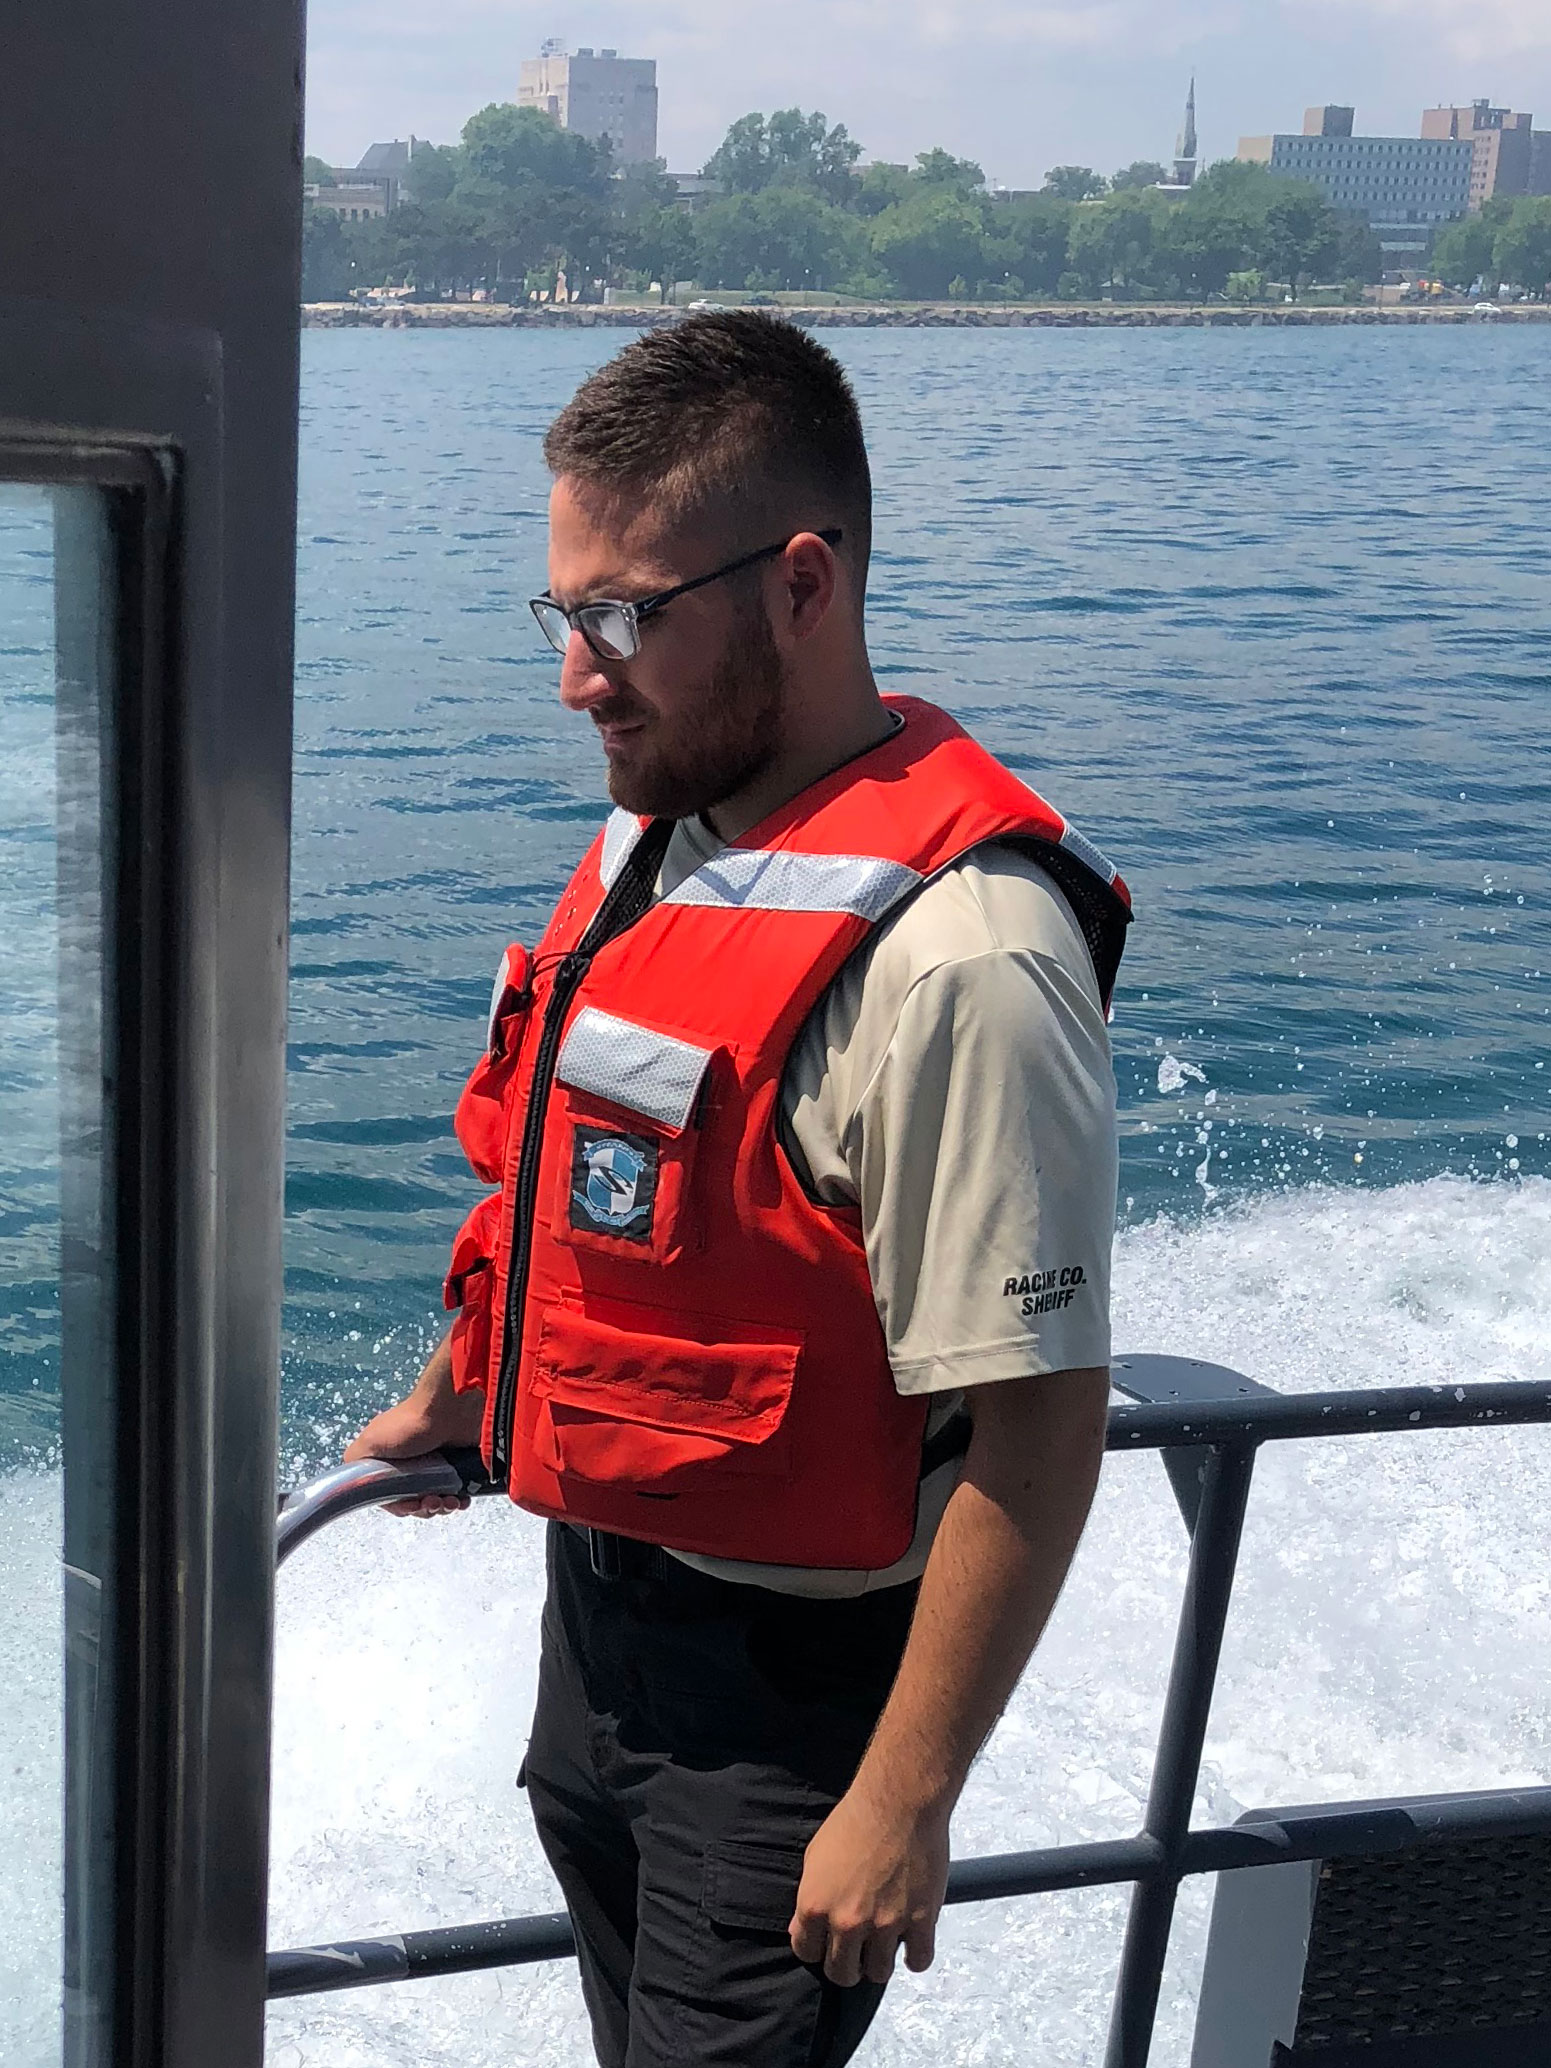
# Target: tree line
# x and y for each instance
(519, 202)
(1507, 243)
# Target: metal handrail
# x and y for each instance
(1284, 1417)
(1209, 1422)
(367, 1484)
(1263, 1838)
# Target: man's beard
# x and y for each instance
(727, 738)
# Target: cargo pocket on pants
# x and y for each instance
(751, 1888)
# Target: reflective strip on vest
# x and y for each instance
(759, 880)
(614, 1059)
(497, 993)
(1091, 857)
(620, 835)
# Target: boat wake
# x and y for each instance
(1391, 1633)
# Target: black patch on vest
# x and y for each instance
(613, 1183)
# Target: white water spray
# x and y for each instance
(1391, 1632)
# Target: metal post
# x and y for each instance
(1203, 1613)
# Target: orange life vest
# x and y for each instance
(676, 1342)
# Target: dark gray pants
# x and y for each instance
(690, 1737)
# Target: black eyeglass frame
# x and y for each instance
(634, 613)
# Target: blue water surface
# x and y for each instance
(1267, 613)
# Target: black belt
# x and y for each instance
(626, 1558)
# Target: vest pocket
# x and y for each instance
(470, 1290)
(632, 1098)
(626, 1407)
(623, 1183)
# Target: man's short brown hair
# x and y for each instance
(731, 417)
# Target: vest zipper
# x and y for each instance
(624, 903)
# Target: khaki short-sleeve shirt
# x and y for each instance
(955, 1085)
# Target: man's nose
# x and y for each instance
(583, 682)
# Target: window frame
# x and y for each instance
(137, 478)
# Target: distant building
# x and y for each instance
(1540, 162)
(355, 200)
(1328, 120)
(1402, 186)
(374, 187)
(1500, 144)
(693, 190)
(599, 94)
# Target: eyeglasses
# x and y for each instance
(613, 630)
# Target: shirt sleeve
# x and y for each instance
(984, 1158)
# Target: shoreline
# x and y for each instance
(915, 316)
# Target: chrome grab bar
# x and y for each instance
(371, 1481)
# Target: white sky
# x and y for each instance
(1018, 86)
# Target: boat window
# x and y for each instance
(58, 1302)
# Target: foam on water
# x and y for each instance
(1391, 1631)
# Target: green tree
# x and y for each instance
(806, 151)
(1141, 172)
(741, 162)
(663, 245)
(1359, 255)
(640, 189)
(432, 172)
(939, 168)
(1462, 251)
(782, 237)
(327, 272)
(518, 148)
(441, 245)
(1111, 244)
(880, 187)
(787, 149)
(929, 239)
(1241, 217)
(653, 233)
(1075, 183)
(1522, 250)
(317, 173)
(1299, 237)
(1210, 233)
(544, 194)
(1028, 243)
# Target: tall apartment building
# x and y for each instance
(1540, 162)
(1403, 186)
(1500, 143)
(599, 94)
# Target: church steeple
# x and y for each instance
(1185, 150)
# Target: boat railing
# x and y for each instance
(1208, 1422)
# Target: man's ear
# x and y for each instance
(810, 579)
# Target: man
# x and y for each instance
(791, 1306)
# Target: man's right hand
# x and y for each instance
(429, 1417)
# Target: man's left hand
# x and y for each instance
(873, 1879)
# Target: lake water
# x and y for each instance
(1267, 614)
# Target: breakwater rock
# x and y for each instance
(914, 316)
